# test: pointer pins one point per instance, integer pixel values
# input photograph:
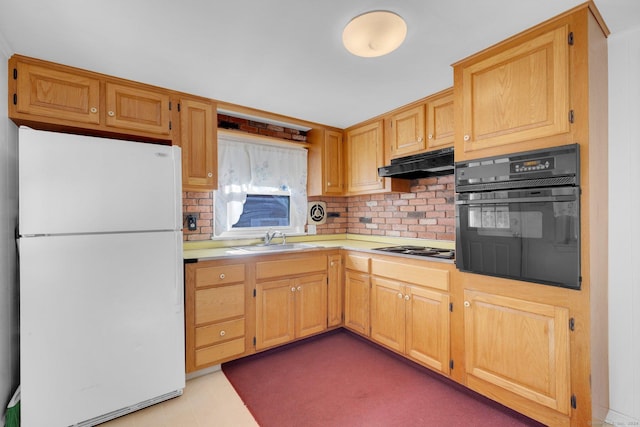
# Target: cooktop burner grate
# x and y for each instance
(419, 251)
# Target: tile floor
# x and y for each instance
(207, 401)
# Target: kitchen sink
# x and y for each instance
(275, 247)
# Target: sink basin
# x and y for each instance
(275, 247)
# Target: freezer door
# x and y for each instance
(101, 324)
(79, 184)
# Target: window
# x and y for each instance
(261, 186)
(265, 210)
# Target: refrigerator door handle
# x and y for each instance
(179, 273)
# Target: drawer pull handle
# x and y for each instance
(222, 333)
(222, 276)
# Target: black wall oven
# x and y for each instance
(518, 216)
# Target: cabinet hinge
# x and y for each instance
(570, 38)
(178, 107)
(15, 99)
(254, 341)
(254, 293)
(15, 74)
(451, 307)
(169, 105)
(451, 364)
(571, 116)
(572, 324)
(574, 403)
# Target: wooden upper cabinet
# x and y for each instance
(333, 163)
(198, 139)
(137, 108)
(50, 96)
(440, 128)
(365, 155)
(56, 94)
(407, 131)
(514, 93)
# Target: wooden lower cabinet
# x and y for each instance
(407, 315)
(357, 284)
(293, 307)
(518, 351)
(215, 312)
(335, 290)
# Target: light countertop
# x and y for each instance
(220, 249)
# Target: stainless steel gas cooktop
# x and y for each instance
(419, 251)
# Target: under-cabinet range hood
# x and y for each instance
(431, 163)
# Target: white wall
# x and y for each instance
(9, 344)
(624, 227)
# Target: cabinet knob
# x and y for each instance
(222, 276)
(407, 297)
(467, 137)
(209, 175)
(299, 288)
(400, 295)
(222, 333)
(328, 182)
(293, 289)
(93, 110)
(467, 304)
(419, 139)
(430, 136)
(111, 113)
(333, 263)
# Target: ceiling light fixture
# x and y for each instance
(374, 33)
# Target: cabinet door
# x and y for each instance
(333, 163)
(56, 94)
(311, 305)
(137, 108)
(519, 346)
(356, 302)
(440, 129)
(388, 313)
(428, 327)
(275, 313)
(199, 144)
(334, 291)
(407, 130)
(516, 95)
(365, 156)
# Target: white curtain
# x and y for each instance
(253, 167)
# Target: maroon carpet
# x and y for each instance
(338, 379)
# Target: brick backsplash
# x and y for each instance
(259, 128)
(425, 212)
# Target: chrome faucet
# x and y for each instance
(268, 236)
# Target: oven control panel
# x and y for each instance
(533, 165)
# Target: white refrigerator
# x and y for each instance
(101, 284)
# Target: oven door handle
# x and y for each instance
(497, 201)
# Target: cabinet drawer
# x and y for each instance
(218, 332)
(215, 353)
(417, 274)
(290, 267)
(219, 303)
(208, 276)
(357, 263)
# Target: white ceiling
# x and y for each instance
(282, 56)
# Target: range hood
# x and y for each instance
(432, 163)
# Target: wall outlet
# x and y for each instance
(311, 229)
(191, 223)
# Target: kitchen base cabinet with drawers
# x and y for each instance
(216, 298)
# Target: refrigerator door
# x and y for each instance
(101, 323)
(79, 184)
